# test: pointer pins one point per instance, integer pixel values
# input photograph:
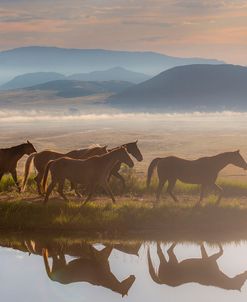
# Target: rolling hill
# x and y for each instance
(31, 79)
(36, 78)
(191, 87)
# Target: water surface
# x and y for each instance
(80, 270)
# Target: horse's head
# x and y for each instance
(29, 148)
(133, 149)
(124, 157)
(238, 160)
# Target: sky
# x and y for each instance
(184, 28)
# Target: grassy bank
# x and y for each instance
(134, 212)
(130, 216)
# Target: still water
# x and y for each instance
(80, 270)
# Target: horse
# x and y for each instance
(204, 270)
(41, 159)
(10, 156)
(203, 171)
(90, 172)
(132, 149)
(93, 267)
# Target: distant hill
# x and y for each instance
(191, 87)
(68, 61)
(116, 73)
(31, 79)
(71, 88)
(113, 74)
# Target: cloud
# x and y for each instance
(175, 27)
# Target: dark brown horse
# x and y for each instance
(89, 172)
(42, 158)
(10, 156)
(204, 270)
(203, 171)
(133, 150)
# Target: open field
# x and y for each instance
(185, 135)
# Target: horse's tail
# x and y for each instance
(27, 169)
(151, 167)
(47, 169)
(47, 266)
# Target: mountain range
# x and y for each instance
(186, 88)
(69, 61)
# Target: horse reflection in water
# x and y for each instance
(92, 266)
(203, 270)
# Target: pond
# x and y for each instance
(65, 270)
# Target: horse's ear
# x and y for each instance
(238, 151)
(136, 141)
(28, 142)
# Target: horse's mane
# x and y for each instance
(95, 146)
(14, 147)
(90, 147)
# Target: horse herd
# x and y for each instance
(95, 165)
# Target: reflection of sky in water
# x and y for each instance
(23, 277)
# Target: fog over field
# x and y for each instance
(189, 135)
(225, 119)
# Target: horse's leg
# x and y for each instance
(72, 186)
(91, 192)
(218, 190)
(203, 251)
(60, 190)
(159, 189)
(1, 175)
(38, 179)
(160, 254)
(171, 184)
(78, 194)
(120, 177)
(217, 255)
(49, 190)
(172, 257)
(14, 175)
(108, 191)
(202, 192)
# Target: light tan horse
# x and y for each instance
(41, 159)
(91, 266)
(90, 172)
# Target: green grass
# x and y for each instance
(130, 216)
(131, 213)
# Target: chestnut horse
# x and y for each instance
(203, 171)
(90, 172)
(42, 158)
(10, 156)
